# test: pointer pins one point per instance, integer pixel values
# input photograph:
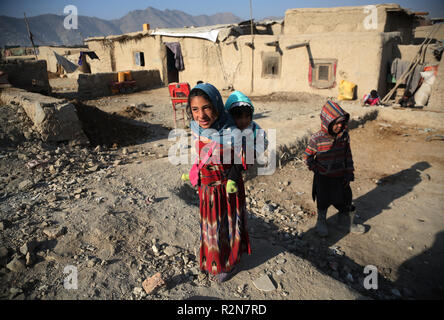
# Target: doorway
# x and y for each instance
(173, 73)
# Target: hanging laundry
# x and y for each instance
(175, 48)
(399, 67)
(65, 63)
(90, 54)
(80, 59)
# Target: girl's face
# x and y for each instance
(242, 121)
(203, 112)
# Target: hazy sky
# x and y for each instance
(114, 9)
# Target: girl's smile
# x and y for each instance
(203, 112)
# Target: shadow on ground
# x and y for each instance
(317, 252)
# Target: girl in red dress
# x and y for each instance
(223, 224)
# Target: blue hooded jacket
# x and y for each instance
(237, 98)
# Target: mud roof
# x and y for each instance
(389, 7)
(224, 29)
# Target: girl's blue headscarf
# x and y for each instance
(224, 124)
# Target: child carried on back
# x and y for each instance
(246, 141)
(253, 138)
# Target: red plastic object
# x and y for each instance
(432, 68)
(179, 96)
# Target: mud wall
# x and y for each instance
(47, 54)
(436, 101)
(98, 84)
(340, 19)
(30, 75)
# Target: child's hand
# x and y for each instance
(185, 177)
(231, 186)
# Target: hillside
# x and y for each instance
(48, 29)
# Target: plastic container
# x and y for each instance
(432, 68)
(346, 90)
(120, 76)
(128, 76)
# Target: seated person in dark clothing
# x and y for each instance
(407, 100)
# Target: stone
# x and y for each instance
(14, 291)
(171, 251)
(16, 265)
(264, 283)
(91, 263)
(29, 260)
(267, 208)
(3, 252)
(138, 292)
(28, 247)
(25, 184)
(93, 168)
(279, 272)
(335, 250)
(55, 232)
(155, 249)
(153, 283)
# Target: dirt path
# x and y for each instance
(121, 214)
(398, 193)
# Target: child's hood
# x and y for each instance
(330, 112)
(236, 97)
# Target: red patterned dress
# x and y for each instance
(223, 218)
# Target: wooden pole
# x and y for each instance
(30, 36)
(252, 46)
(412, 65)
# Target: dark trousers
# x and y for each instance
(329, 191)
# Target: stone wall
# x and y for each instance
(54, 119)
(28, 74)
(98, 84)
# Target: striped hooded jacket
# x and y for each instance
(326, 153)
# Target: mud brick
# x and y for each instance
(153, 283)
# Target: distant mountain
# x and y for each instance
(48, 28)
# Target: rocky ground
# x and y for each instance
(118, 212)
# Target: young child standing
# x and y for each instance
(241, 109)
(328, 155)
